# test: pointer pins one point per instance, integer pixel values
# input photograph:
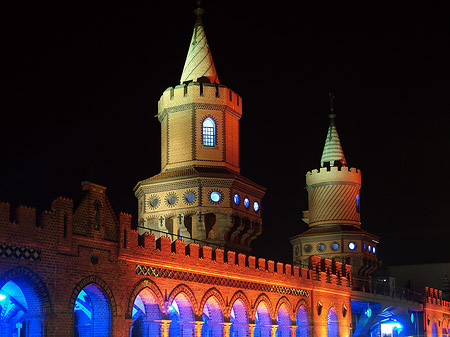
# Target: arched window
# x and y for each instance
(209, 132)
(239, 318)
(284, 322)
(302, 323)
(212, 318)
(96, 215)
(332, 323)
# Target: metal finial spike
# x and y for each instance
(331, 115)
(199, 11)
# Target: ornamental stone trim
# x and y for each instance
(23, 253)
(219, 281)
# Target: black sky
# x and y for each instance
(80, 85)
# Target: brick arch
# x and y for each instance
(262, 298)
(307, 307)
(141, 285)
(217, 295)
(182, 288)
(34, 281)
(238, 295)
(93, 279)
(281, 301)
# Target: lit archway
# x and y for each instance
(212, 318)
(239, 318)
(182, 317)
(20, 310)
(302, 322)
(434, 330)
(146, 314)
(283, 321)
(332, 323)
(92, 313)
(263, 322)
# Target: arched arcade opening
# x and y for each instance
(146, 315)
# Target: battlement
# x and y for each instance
(434, 296)
(195, 92)
(333, 173)
(320, 270)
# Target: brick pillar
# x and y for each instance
(198, 328)
(294, 328)
(226, 329)
(164, 327)
(251, 330)
(274, 330)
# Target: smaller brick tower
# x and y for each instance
(200, 193)
(333, 213)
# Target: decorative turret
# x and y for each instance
(200, 193)
(333, 213)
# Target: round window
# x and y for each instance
(246, 203)
(236, 199)
(154, 202)
(321, 247)
(215, 196)
(373, 250)
(370, 248)
(335, 246)
(189, 197)
(256, 206)
(171, 199)
(308, 248)
(352, 245)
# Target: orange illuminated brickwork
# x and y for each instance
(127, 275)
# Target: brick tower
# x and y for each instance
(333, 213)
(199, 193)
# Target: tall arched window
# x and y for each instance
(332, 323)
(209, 132)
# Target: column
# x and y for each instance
(251, 330)
(294, 328)
(164, 327)
(198, 328)
(274, 330)
(226, 329)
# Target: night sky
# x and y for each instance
(80, 86)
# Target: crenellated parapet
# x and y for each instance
(201, 96)
(334, 174)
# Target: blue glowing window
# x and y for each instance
(236, 199)
(321, 247)
(215, 196)
(352, 245)
(357, 203)
(373, 249)
(209, 132)
(335, 246)
(246, 203)
(256, 206)
(365, 246)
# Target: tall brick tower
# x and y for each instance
(199, 192)
(333, 213)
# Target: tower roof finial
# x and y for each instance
(332, 154)
(199, 65)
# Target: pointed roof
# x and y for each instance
(332, 151)
(199, 62)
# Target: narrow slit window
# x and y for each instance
(209, 132)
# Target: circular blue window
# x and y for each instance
(335, 246)
(189, 197)
(256, 206)
(246, 203)
(352, 245)
(321, 247)
(236, 199)
(373, 249)
(215, 196)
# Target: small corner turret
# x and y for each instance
(333, 214)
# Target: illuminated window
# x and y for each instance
(236, 199)
(357, 203)
(215, 196)
(352, 245)
(256, 206)
(246, 202)
(97, 215)
(335, 246)
(209, 132)
(332, 323)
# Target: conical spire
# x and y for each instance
(332, 154)
(199, 62)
